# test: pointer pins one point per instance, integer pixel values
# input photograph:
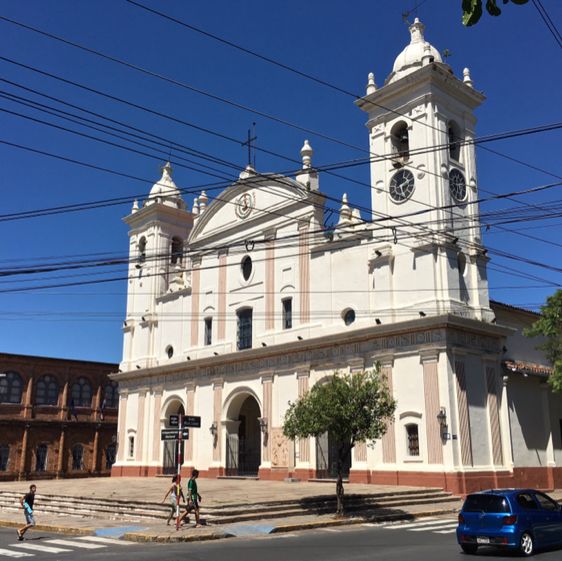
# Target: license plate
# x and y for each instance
(482, 540)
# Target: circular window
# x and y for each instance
(246, 267)
(349, 317)
(170, 351)
(457, 185)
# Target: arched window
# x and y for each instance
(400, 140)
(47, 391)
(4, 457)
(455, 140)
(11, 387)
(177, 251)
(41, 457)
(348, 316)
(246, 267)
(81, 393)
(111, 395)
(78, 457)
(412, 440)
(141, 256)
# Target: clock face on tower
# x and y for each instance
(457, 185)
(401, 186)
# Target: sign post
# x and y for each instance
(178, 491)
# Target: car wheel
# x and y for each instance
(469, 548)
(526, 544)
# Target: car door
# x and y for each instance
(552, 518)
(531, 517)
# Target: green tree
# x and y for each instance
(352, 408)
(472, 9)
(549, 326)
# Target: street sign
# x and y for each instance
(173, 434)
(174, 420)
(191, 421)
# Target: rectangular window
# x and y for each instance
(413, 440)
(131, 446)
(244, 329)
(208, 331)
(41, 458)
(287, 313)
(4, 455)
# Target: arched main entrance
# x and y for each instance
(243, 437)
(169, 460)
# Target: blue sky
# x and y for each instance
(513, 59)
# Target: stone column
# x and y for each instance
(190, 410)
(139, 452)
(550, 463)
(493, 387)
(269, 282)
(505, 425)
(304, 273)
(463, 414)
(195, 297)
(157, 392)
(121, 425)
(221, 312)
(217, 413)
(432, 407)
(389, 437)
(303, 443)
(267, 386)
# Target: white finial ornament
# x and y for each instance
(466, 77)
(416, 31)
(371, 85)
(427, 57)
(345, 209)
(135, 207)
(195, 209)
(306, 153)
(203, 202)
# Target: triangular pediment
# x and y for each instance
(257, 202)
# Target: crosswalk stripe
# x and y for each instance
(40, 547)
(330, 529)
(411, 524)
(369, 524)
(10, 553)
(436, 527)
(100, 539)
(83, 545)
(446, 531)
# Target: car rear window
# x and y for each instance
(486, 503)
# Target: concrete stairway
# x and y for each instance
(138, 511)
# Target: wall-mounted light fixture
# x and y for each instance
(442, 420)
(214, 430)
(378, 321)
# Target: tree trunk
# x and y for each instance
(339, 486)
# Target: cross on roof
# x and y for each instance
(251, 147)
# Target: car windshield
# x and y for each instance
(486, 503)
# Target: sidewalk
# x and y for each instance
(215, 492)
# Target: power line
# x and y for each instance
(548, 21)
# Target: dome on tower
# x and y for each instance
(165, 190)
(411, 58)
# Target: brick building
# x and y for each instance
(58, 418)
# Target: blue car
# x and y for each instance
(519, 519)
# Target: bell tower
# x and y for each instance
(423, 189)
(157, 265)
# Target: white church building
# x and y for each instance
(242, 304)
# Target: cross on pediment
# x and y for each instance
(251, 146)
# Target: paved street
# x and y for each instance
(430, 538)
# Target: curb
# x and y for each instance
(66, 530)
(144, 538)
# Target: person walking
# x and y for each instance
(193, 496)
(174, 491)
(27, 503)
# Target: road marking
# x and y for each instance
(40, 547)
(330, 529)
(369, 524)
(99, 539)
(77, 544)
(10, 553)
(436, 527)
(411, 524)
(446, 531)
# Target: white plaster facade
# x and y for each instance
(238, 307)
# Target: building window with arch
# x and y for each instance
(208, 334)
(400, 140)
(455, 140)
(131, 447)
(244, 323)
(348, 316)
(176, 256)
(287, 313)
(78, 457)
(246, 267)
(4, 457)
(11, 388)
(110, 396)
(412, 440)
(81, 393)
(41, 457)
(47, 390)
